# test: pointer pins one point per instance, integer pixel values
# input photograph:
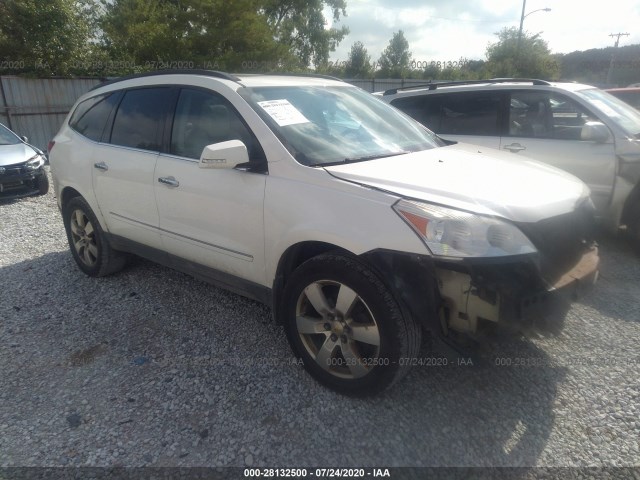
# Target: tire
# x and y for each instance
(633, 232)
(633, 229)
(87, 241)
(43, 184)
(346, 327)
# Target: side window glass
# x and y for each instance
(90, 117)
(203, 118)
(139, 117)
(469, 114)
(546, 115)
(425, 109)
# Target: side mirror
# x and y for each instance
(594, 132)
(225, 155)
(24, 138)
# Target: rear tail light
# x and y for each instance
(50, 145)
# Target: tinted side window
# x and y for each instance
(425, 109)
(470, 114)
(90, 117)
(456, 113)
(139, 118)
(542, 114)
(203, 118)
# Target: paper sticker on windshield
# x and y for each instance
(283, 112)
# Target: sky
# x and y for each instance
(448, 30)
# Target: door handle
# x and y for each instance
(169, 181)
(101, 166)
(514, 147)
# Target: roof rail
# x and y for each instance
(435, 85)
(286, 74)
(207, 73)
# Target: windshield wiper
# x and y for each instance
(359, 159)
(374, 157)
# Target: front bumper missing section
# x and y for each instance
(515, 292)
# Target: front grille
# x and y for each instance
(12, 171)
(562, 240)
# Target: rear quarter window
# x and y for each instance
(90, 116)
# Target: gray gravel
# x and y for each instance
(150, 367)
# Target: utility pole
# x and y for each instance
(613, 55)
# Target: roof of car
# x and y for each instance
(493, 84)
(247, 80)
(624, 89)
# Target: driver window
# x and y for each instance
(546, 115)
(203, 118)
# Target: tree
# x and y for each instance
(46, 37)
(359, 62)
(300, 25)
(190, 33)
(532, 59)
(139, 33)
(395, 61)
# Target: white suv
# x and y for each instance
(578, 128)
(357, 225)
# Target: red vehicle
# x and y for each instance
(631, 95)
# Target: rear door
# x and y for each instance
(124, 165)
(546, 126)
(470, 117)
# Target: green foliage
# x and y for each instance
(114, 37)
(214, 34)
(395, 61)
(46, 37)
(592, 66)
(359, 62)
(300, 25)
(528, 58)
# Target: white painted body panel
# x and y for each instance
(479, 181)
(214, 217)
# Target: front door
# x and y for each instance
(212, 217)
(547, 126)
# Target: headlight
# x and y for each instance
(34, 162)
(455, 233)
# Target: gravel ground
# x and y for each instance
(150, 367)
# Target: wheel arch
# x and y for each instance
(292, 258)
(409, 277)
(631, 205)
(67, 194)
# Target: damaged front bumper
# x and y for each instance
(520, 292)
(17, 181)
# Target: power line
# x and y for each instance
(613, 54)
(618, 35)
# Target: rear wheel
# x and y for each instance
(345, 325)
(87, 241)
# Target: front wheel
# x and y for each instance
(43, 184)
(345, 325)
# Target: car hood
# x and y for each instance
(18, 153)
(477, 179)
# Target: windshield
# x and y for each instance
(621, 113)
(7, 137)
(331, 125)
